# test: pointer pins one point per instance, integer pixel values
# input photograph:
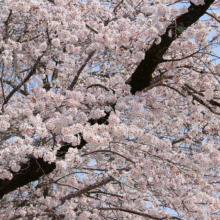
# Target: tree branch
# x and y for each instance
(29, 172)
(31, 73)
(178, 140)
(139, 80)
(52, 1)
(182, 58)
(198, 99)
(80, 71)
(87, 189)
(204, 103)
(6, 25)
(92, 29)
(23, 92)
(108, 151)
(97, 85)
(213, 17)
(132, 212)
(142, 76)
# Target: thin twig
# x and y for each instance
(179, 59)
(132, 212)
(109, 151)
(31, 73)
(40, 166)
(98, 85)
(3, 92)
(212, 16)
(87, 189)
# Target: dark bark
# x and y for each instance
(142, 76)
(31, 171)
(36, 168)
(139, 80)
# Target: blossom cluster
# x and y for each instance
(105, 153)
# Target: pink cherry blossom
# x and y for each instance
(109, 109)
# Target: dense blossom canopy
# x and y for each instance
(109, 109)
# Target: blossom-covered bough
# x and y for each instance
(109, 109)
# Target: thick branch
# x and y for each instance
(142, 76)
(29, 172)
(36, 168)
(32, 171)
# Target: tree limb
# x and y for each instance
(31, 73)
(80, 71)
(142, 76)
(139, 80)
(132, 212)
(87, 189)
(6, 23)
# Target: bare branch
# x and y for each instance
(132, 212)
(92, 29)
(182, 58)
(23, 92)
(31, 73)
(87, 189)
(212, 16)
(178, 141)
(6, 25)
(171, 87)
(100, 85)
(80, 71)
(194, 90)
(108, 151)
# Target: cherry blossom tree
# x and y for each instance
(109, 109)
